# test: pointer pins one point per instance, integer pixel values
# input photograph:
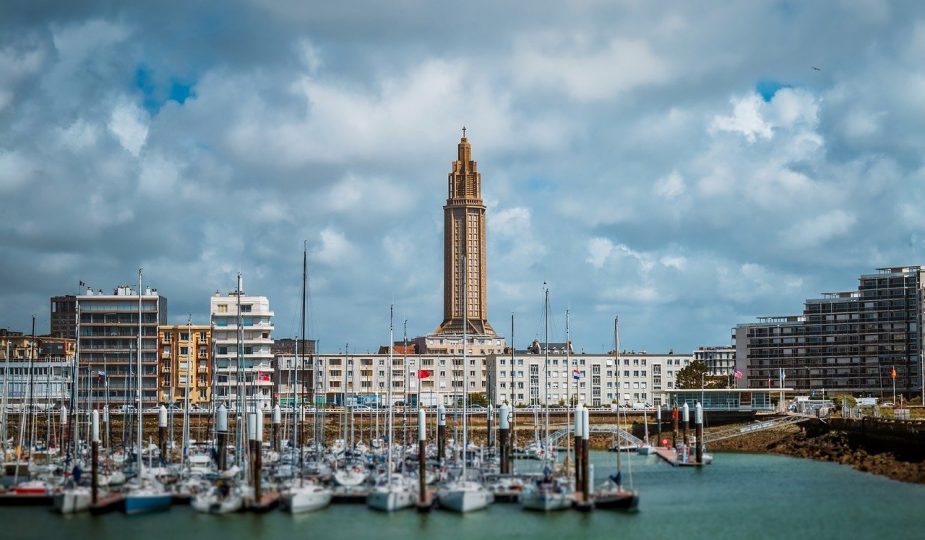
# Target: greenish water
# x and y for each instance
(739, 496)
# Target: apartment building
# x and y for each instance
(590, 379)
(429, 378)
(852, 341)
(108, 331)
(720, 360)
(242, 329)
(185, 352)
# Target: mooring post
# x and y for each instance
(674, 426)
(579, 437)
(276, 420)
(94, 455)
(503, 435)
(441, 433)
(422, 457)
(585, 444)
(221, 430)
(162, 432)
(698, 426)
(686, 417)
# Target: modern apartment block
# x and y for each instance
(108, 339)
(720, 360)
(185, 352)
(590, 379)
(39, 371)
(63, 316)
(430, 379)
(845, 341)
(243, 337)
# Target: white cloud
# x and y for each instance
(159, 175)
(80, 135)
(15, 170)
(335, 248)
(584, 71)
(746, 119)
(813, 231)
(671, 186)
(129, 123)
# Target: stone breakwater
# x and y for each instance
(834, 446)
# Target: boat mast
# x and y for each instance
(388, 461)
(546, 450)
(189, 373)
(240, 401)
(616, 356)
(465, 392)
(299, 343)
(568, 392)
(6, 384)
(139, 434)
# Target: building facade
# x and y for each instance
(63, 316)
(185, 352)
(720, 360)
(242, 329)
(429, 379)
(594, 380)
(39, 371)
(107, 345)
(853, 341)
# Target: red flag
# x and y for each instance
(263, 377)
(893, 373)
(424, 373)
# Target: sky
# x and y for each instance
(684, 166)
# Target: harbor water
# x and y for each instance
(739, 496)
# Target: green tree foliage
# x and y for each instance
(478, 398)
(695, 374)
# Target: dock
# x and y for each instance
(108, 503)
(671, 456)
(356, 495)
(13, 499)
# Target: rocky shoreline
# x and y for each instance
(833, 446)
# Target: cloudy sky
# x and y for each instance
(685, 169)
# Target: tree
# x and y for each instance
(697, 374)
(478, 398)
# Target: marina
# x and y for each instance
(676, 502)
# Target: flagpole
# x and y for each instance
(893, 376)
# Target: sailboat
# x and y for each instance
(612, 494)
(148, 494)
(549, 492)
(464, 494)
(301, 496)
(393, 492)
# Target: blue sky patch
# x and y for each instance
(155, 93)
(767, 89)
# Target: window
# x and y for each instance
(246, 308)
(221, 308)
(184, 336)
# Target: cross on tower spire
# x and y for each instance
(464, 132)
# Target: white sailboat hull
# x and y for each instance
(74, 500)
(349, 477)
(305, 499)
(545, 501)
(388, 499)
(211, 503)
(465, 499)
